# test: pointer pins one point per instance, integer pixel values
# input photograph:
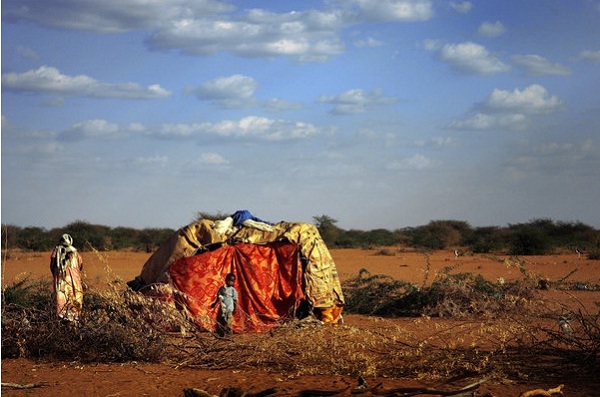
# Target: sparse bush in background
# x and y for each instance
(538, 236)
(485, 240)
(86, 235)
(594, 252)
(441, 234)
(528, 240)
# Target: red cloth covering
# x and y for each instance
(268, 281)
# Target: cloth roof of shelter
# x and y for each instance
(321, 282)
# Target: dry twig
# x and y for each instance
(543, 393)
(26, 386)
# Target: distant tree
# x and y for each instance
(380, 237)
(529, 239)
(123, 238)
(594, 248)
(538, 236)
(440, 234)
(350, 239)
(150, 239)
(573, 235)
(486, 239)
(34, 239)
(327, 228)
(86, 235)
(10, 236)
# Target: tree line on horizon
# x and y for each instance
(536, 237)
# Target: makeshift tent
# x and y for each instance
(282, 270)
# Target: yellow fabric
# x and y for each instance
(182, 244)
(331, 315)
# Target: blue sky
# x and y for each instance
(377, 113)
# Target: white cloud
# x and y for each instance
(54, 102)
(205, 27)
(37, 150)
(94, 129)
(237, 91)
(392, 10)
(276, 105)
(593, 56)
(19, 133)
(491, 29)
(439, 141)
(26, 52)
(49, 80)
(228, 92)
(416, 162)
(109, 16)
(213, 159)
(357, 101)
(432, 45)
(556, 158)
(463, 7)
(368, 42)
(304, 36)
(6, 125)
(509, 110)
(159, 161)
(468, 58)
(251, 128)
(200, 27)
(536, 65)
(483, 122)
(534, 99)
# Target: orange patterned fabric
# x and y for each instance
(268, 281)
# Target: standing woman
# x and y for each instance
(66, 266)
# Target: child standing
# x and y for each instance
(227, 296)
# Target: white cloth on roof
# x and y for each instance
(265, 227)
(224, 227)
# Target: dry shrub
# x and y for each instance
(116, 325)
(386, 251)
(450, 295)
(423, 349)
(527, 321)
(573, 336)
(464, 295)
(381, 295)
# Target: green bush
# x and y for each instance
(529, 240)
(537, 237)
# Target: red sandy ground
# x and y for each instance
(142, 379)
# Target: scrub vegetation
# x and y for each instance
(536, 237)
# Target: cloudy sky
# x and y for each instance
(377, 113)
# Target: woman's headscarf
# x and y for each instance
(66, 240)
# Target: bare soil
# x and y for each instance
(145, 379)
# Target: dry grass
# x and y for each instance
(460, 325)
